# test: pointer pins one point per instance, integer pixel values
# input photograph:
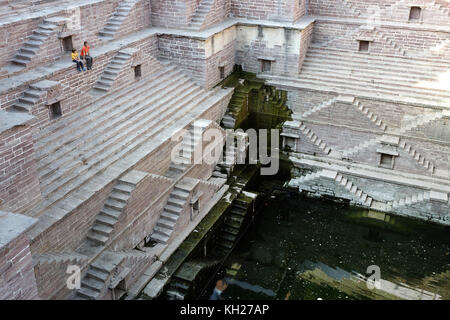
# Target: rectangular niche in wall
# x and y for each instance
(222, 72)
(415, 13)
(266, 66)
(386, 160)
(67, 43)
(195, 205)
(55, 110)
(137, 72)
(363, 46)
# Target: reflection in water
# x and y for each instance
(300, 248)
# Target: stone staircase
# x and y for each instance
(372, 117)
(426, 164)
(29, 99)
(232, 227)
(185, 156)
(297, 182)
(235, 106)
(366, 144)
(228, 162)
(424, 120)
(313, 138)
(112, 129)
(325, 104)
(112, 71)
(34, 43)
(175, 205)
(419, 121)
(202, 11)
(183, 285)
(108, 270)
(393, 78)
(228, 122)
(115, 22)
(229, 159)
(390, 42)
(409, 200)
(95, 282)
(113, 208)
(360, 195)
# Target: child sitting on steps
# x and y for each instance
(76, 59)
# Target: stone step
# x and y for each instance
(176, 202)
(35, 44)
(97, 238)
(96, 274)
(92, 284)
(179, 193)
(173, 209)
(118, 124)
(163, 230)
(113, 213)
(230, 230)
(102, 229)
(119, 196)
(170, 216)
(228, 237)
(114, 204)
(106, 220)
(160, 238)
(106, 34)
(124, 188)
(166, 223)
(87, 293)
(225, 244)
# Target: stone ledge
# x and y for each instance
(10, 120)
(12, 225)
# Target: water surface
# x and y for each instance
(300, 248)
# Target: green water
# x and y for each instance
(300, 248)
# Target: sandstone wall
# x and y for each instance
(17, 279)
(19, 184)
(285, 10)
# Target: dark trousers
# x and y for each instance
(79, 64)
(88, 62)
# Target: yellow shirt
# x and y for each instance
(74, 56)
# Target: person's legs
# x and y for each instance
(78, 65)
(89, 62)
(82, 66)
